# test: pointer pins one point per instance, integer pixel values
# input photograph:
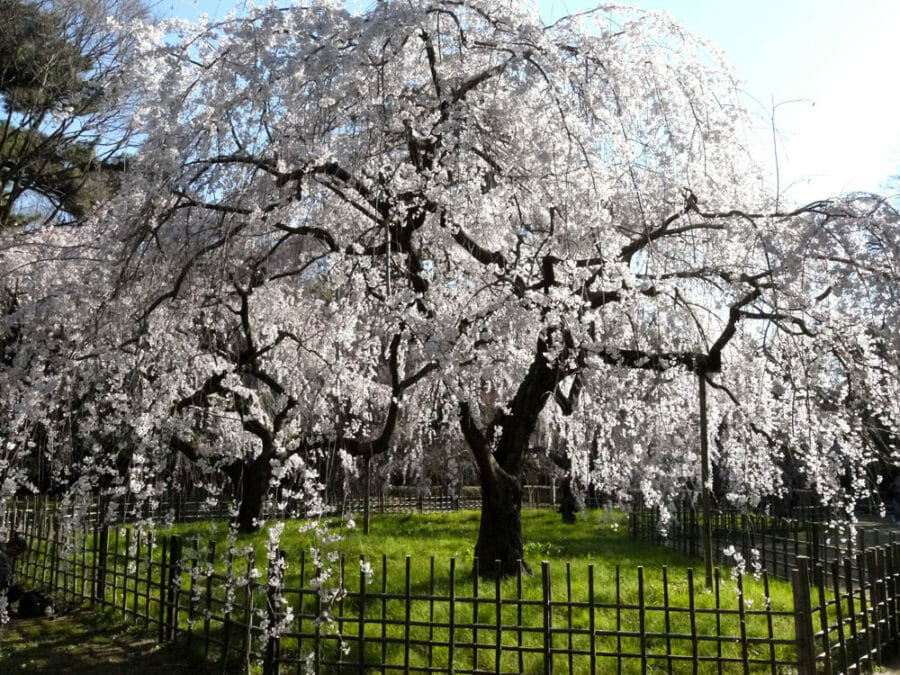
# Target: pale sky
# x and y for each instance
(829, 66)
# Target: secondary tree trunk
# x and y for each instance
(500, 531)
(569, 504)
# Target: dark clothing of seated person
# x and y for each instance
(9, 551)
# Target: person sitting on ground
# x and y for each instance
(9, 551)
(895, 500)
(34, 604)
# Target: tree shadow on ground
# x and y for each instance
(89, 642)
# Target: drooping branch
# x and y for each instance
(369, 446)
(470, 246)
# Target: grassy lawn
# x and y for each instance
(598, 541)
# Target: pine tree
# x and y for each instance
(61, 131)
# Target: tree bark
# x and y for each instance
(500, 531)
(569, 504)
(254, 487)
(501, 465)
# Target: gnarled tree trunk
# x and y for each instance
(500, 531)
(499, 452)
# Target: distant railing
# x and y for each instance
(389, 499)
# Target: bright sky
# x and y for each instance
(827, 66)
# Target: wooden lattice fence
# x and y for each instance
(845, 614)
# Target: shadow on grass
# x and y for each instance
(90, 642)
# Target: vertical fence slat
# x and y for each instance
(519, 622)
(174, 587)
(718, 588)
(361, 628)
(619, 620)
(851, 609)
(873, 564)
(115, 571)
(498, 615)
(317, 631)
(642, 624)
(803, 631)
(592, 626)
(692, 613)
(823, 618)
(383, 612)
(547, 611)
(451, 638)
(839, 613)
(863, 603)
(569, 611)
(742, 618)
(137, 575)
(125, 570)
(890, 592)
(210, 562)
(248, 607)
(475, 612)
(192, 589)
(161, 602)
(666, 617)
(82, 591)
(407, 610)
(769, 625)
(226, 619)
(430, 612)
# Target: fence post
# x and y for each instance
(100, 566)
(803, 626)
(54, 552)
(248, 612)
(547, 597)
(161, 598)
(892, 588)
(876, 578)
(174, 585)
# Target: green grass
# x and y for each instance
(599, 542)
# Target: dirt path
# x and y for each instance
(87, 642)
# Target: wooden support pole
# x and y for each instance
(704, 478)
(367, 493)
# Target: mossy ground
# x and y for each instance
(82, 641)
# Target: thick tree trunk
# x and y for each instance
(500, 532)
(499, 454)
(254, 488)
